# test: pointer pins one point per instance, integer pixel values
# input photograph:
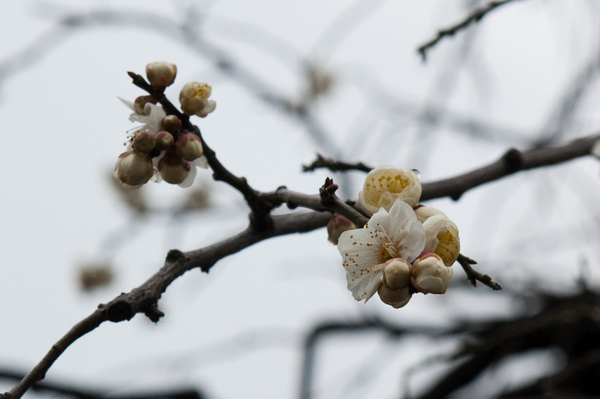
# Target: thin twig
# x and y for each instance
(474, 275)
(334, 166)
(474, 16)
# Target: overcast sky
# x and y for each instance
(236, 331)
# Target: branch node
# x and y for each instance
(175, 255)
(119, 311)
(153, 313)
(327, 191)
(513, 160)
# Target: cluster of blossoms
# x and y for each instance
(404, 248)
(161, 147)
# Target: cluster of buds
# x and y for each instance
(161, 146)
(404, 248)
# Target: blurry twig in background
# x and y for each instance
(474, 16)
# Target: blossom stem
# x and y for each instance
(474, 275)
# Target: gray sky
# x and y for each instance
(237, 330)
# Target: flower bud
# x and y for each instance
(194, 99)
(395, 298)
(431, 275)
(171, 123)
(140, 103)
(424, 212)
(385, 184)
(336, 226)
(133, 169)
(396, 273)
(161, 73)
(441, 237)
(173, 169)
(144, 142)
(188, 145)
(164, 140)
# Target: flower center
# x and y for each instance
(448, 246)
(387, 251)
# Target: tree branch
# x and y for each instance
(333, 165)
(474, 16)
(144, 299)
(260, 217)
(511, 162)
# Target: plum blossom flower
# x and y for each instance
(393, 234)
(431, 275)
(385, 184)
(133, 169)
(161, 73)
(395, 290)
(442, 238)
(151, 119)
(194, 99)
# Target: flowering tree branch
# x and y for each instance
(511, 162)
(260, 209)
(144, 299)
(474, 16)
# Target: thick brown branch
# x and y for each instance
(511, 162)
(474, 16)
(144, 299)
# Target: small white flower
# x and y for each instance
(442, 238)
(395, 290)
(133, 169)
(424, 212)
(161, 73)
(194, 99)
(151, 118)
(386, 184)
(431, 275)
(387, 235)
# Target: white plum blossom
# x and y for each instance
(177, 170)
(133, 169)
(431, 275)
(424, 212)
(387, 235)
(151, 118)
(442, 238)
(395, 290)
(194, 99)
(386, 184)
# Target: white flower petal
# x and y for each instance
(360, 249)
(201, 162)
(127, 103)
(366, 286)
(189, 180)
(396, 234)
(151, 119)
